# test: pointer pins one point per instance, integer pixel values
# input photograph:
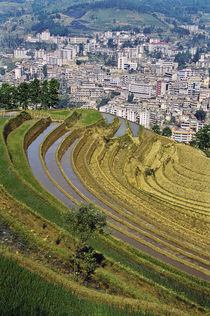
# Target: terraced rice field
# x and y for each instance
(141, 209)
(154, 191)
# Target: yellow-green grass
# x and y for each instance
(102, 177)
(22, 190)
(107, 17)
(67, 179)
(189, 193)
(126, 216)
(22, 214)
(87, 116)
(152, 152)
(54, 114)
(32, 219)
(182, 180)
(28, 228)
(163, 188)
(115, 185)
(189, 174)
(193, 159)
(117, 172)
(142, 176)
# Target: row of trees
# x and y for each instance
(165, 132)
(185, 57)
(26, 94)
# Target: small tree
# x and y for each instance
(35, 92)
(156, 129)
(53, 92)
(130, 97)
(23, 94)
(84, 223)
(202, 139)
(167, 131)
(200, 115)
(44, 97)
(44, 71)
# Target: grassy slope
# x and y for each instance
(17, 189)
(108, 17)
(24, 292)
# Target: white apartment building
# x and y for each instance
(159, 47)
(192, 125)
(165, 66)
(20, 53)
(19, 71)
(186, 73)
(37, 69)
(122, 62)
(78, 40)
(67, 53)
(182, 135)
(136, 115)
(45, 36)
(141, 89)
(143, 118)
(40, 54)
(193, 86)
(52, 59)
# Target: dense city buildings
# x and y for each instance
(128, 74)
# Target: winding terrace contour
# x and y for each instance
(97, 164)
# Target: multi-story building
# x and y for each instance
(186, 73)
(20, 53)
(162, 87)
(137, 115)
(182, 135)
(19, 71)
(159, 47)
(122, 62)
(141, 89)
(193, 86)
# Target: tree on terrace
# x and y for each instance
(35, 92)
(53, 92)
(8, 96)
(85, 223)
(156, 129)
(202, 138)
(23, 95)
(167, 131)
(45, 102)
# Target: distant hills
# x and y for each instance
(98, 15)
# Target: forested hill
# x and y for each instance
(167, 7)
(98, 15)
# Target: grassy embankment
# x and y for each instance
(25, 292)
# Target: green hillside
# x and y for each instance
(83, 17)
